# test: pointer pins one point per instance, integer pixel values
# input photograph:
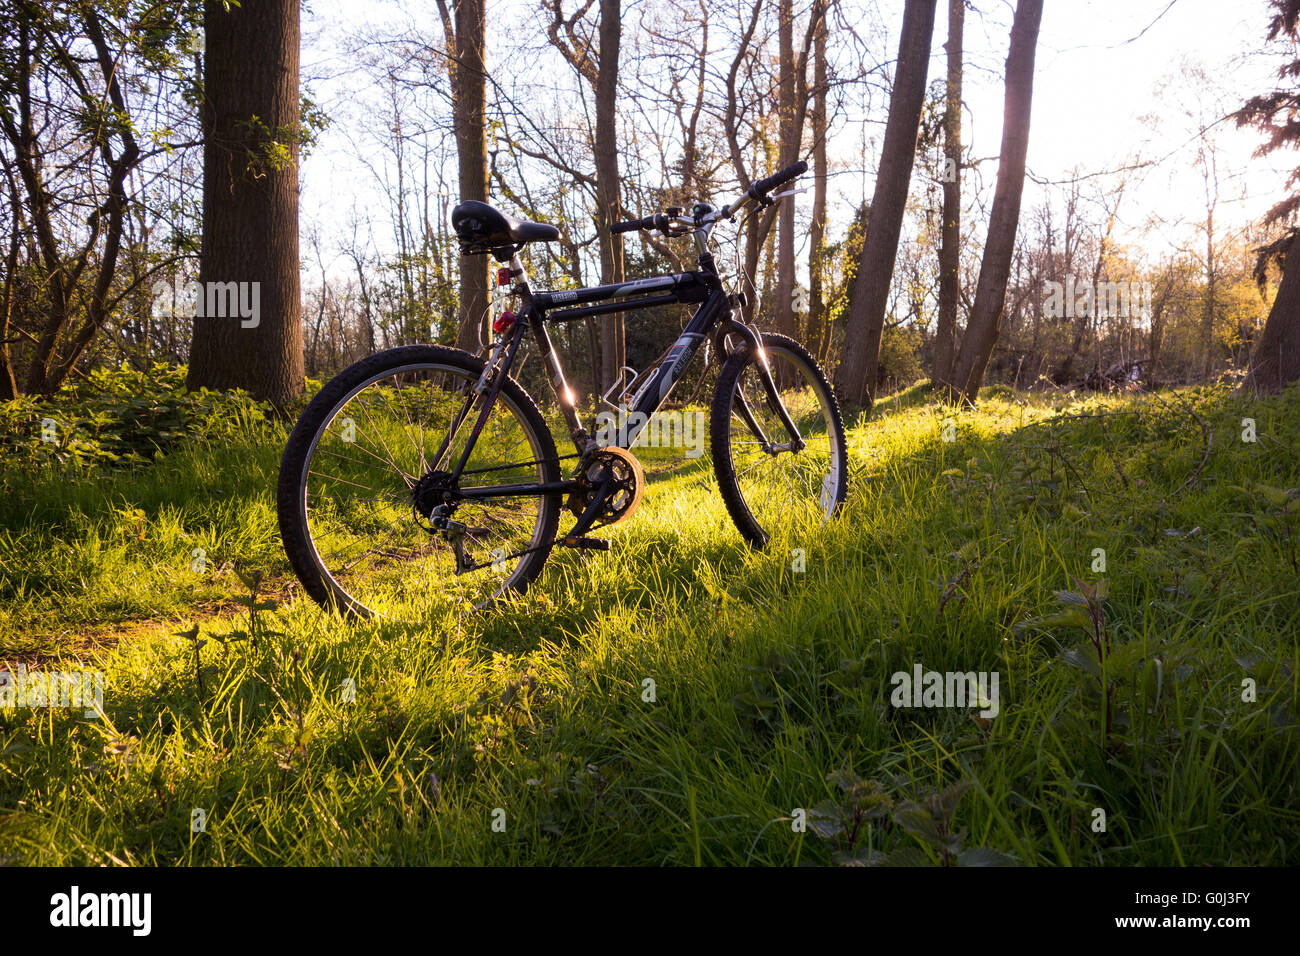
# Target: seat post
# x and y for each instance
(517, 269)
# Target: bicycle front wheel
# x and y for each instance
(771, 486)
(371, 459)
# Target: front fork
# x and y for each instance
(755, 341)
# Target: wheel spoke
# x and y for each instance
(782, 493)
(376, 547)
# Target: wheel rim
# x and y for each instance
(788, 494)
(375, 552)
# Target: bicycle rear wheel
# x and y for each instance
(372, 455)
(770, 488)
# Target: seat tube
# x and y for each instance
(565, 394)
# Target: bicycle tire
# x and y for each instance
(291, 497)
(722, 425)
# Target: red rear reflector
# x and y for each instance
(503, 322)
(503, 277)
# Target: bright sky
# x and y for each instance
(1106, 94)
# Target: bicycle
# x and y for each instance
(376, 510)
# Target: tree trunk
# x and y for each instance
(1091, 316)
(945, 339)
(990, 294)
(857, 371)
(1275, 360)
(75, 282)
(607, 187)
(250, 203)
(1211, 288)
(8, 381)
(469, 120)
(787, 153)
(1156, 334)
(817, 229)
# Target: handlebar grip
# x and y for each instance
(657, 221)
(760, 189)
(631, 225)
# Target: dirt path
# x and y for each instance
(84, 643)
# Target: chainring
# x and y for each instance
(628, 480)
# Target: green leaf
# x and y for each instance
(826, 829)
(845, 779)
(1083, 659)
(1276, 497)
(918, 822)
(252, 579)
(1070, 617)
(905, 856)
(985, 856)
(951, 796)
(860, 857)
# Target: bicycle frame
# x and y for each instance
(715, 316)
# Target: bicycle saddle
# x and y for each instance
(479, 225)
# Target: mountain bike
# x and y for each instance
(425, 474)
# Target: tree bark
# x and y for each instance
(945, 339)
(609, 208)
(990, 294)
(466, 31)
(599, 67)
(250, 200)
(78, 275)
(1275, 360)
(1211, 289)
(787, 153)
(857, 372)
(1156, 334)
(817, 229)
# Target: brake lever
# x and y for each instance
(790, 192)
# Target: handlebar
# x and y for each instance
(657, 221)
(759, 190)
(673, 220)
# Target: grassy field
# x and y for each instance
(682, 700)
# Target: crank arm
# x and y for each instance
(588, 517)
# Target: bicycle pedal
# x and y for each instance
(584, 544)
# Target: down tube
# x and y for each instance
(655, 392)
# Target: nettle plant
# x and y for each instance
(1281, 514)
(865, 809)
(291, 688)
(1118, 675)
(119, 418)
(256, 627)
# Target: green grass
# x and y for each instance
(772, 688)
